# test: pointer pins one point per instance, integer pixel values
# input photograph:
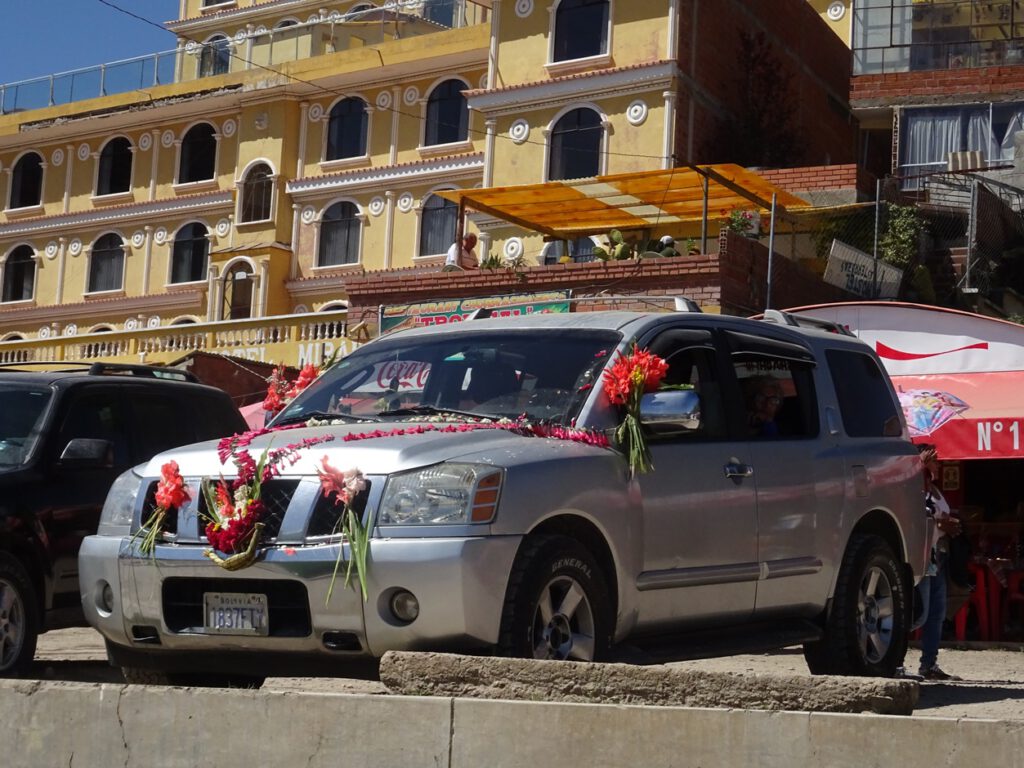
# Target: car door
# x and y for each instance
(699, 507)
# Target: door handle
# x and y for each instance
(735, 469)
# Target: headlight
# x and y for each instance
(116, 517)
(443, 494)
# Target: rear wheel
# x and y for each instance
(142, 676)
(19, 618)
(557, 605)
(866, 630)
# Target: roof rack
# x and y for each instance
(679, 303)
(108, 369)
(802, 321)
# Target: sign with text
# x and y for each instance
(861, 274)
(397, 316)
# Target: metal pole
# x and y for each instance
(874, 253)
(704, 217)
(771, 254)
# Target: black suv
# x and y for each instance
(64, 439)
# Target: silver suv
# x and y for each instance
(483, 538)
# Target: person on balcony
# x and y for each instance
(464, 258)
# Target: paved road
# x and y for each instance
(993, 684)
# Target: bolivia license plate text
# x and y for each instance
(235, 613)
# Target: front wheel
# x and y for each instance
(19, 618)
(557, 605)
(866, 630)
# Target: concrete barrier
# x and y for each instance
(47, 724)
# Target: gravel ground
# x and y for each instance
(992, 686)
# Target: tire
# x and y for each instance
(866, 630)
(143, 676)
(19, 618)
(557, 605)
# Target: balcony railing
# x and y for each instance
(290, 339)
(252, 48)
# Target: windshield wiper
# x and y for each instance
(430, 410)
(322, 416)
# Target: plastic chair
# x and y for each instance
(979, 601)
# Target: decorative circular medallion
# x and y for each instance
(483, 80)
(836, 10)
(313, 19)
(519, 131)
(191, 46)
(71, 329)
(513, 248)
(145, 142)
(316, 113)
(44, 332)
(411, 95)
(376, 206)
(300, 309)
(260, 30)
(57, 158)
(405, 202)
(84, 151)
(167, 139)
(75, 247)
(384, 100)
(160, 236)
(308, 214)
(240, 36)
(524, 8)
(261, 121)
(334, 16)
(153, 322)
(228, 129)
(131, 324)
(636, 112)
(51, 249)
(138, 238)
(223, 227)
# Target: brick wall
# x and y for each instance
(822, 177)
(937, 86)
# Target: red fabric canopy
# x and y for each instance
(966, 415)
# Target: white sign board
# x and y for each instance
(861, 274)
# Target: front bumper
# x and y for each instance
(460, 584)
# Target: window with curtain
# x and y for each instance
(188, 258)
(581, 29)
(215, 58)
(437, 225)
(576, 146)
(115, 171)
(346, 129)
(339, 235)
(106, 264)
(198, 154)
(257, 193)
(19, 274)
(27, 181)
(447, 114)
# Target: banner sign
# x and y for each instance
(861, 274)
(397, 316)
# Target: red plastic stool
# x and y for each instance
(979, 600)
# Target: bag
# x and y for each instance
(959, 559)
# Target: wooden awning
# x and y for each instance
(629, 201)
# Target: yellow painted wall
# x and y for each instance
(841, 26)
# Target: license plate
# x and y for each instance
(235, 613)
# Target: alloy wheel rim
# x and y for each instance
(12, 624)
(876, 617)
(563, 622)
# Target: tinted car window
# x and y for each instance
(778, 396)
(161, 424)
(21, 410)
(99, 415)
(865, 400)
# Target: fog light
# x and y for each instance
(405, 606)
(106, 598)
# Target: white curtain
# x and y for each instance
(1006, 140)
(929, 136)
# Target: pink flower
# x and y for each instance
(344, 486)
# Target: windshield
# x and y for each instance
(544, 375)
(21, 412)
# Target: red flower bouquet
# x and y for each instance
(625, 382)
(345, 486)
(171, 493)
(280, 391)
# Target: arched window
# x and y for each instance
(580, 249)
(359, 11)
(346, 130)
(437, 225)
(106, 264)
(447, 114)
(215, 58)
(238, 286)
(19, 274)
(198, 154)
(575, 146)
(440, 12)
(115, 172)
(27, 181)
(581, 29)
(285, 23)
(257, 191)
(339, 235)
(188, 260)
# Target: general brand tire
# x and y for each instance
(557, 604)
(142, 676)
(866, 629)
(19, 618)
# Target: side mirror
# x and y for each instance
(676, 407)
(88, 453)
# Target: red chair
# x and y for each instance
(979, 601)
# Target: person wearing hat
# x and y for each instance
(668, 246)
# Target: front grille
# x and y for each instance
(170, 521)
(276, 495)
(287, 603)
(326, 516)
